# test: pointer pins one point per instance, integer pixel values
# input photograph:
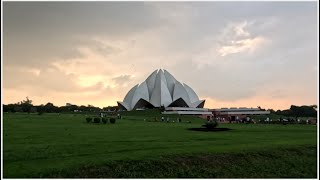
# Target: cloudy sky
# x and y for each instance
(233, 54)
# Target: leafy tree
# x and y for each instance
(299, 111)
(110, 108)
(18, 109)
(261, 108)
(26, 105)
(48, 107)
(306, 111)
(40, 109)
(271, 111)
(314, 106)
(9, 108)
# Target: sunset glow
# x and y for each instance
(93, 53)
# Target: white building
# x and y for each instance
(160, 89)
(235, 113)
(201, 112)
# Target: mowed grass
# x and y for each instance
(52, 145)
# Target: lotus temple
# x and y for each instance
(160, 89)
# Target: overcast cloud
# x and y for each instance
(231, 53)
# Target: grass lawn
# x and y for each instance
(52, 145)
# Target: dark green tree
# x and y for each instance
(303, 111)
(271, 111)
(26, 105)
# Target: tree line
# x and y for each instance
(297, 111)
(28, 107)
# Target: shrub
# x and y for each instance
(112, 120)
(104, 120)
(88, 119)
(96, 120)
(211, 125)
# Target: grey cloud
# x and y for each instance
(113, 18)
(122, 79)
(39, 52)
(101, 48)
(36, 32)
(220, 83)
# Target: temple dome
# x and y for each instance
(160, 89)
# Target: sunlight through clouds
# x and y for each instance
(226, 51)
(244, 45)
(236, 38)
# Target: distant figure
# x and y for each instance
(168, 119)
(162, 118)
(179, 120)
(248, 119)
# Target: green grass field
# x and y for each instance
(52, 145)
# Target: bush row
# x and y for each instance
(282, 122)
(99, 120)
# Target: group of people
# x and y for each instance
(221, 119)
(168, 119)
(236, 120)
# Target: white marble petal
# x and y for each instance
(151, 81)
(140, 93)
(170, 82)
(125, 105)
(160, 94)
(128, 98)
(192, 95)
(180, 92)
(197, 103)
